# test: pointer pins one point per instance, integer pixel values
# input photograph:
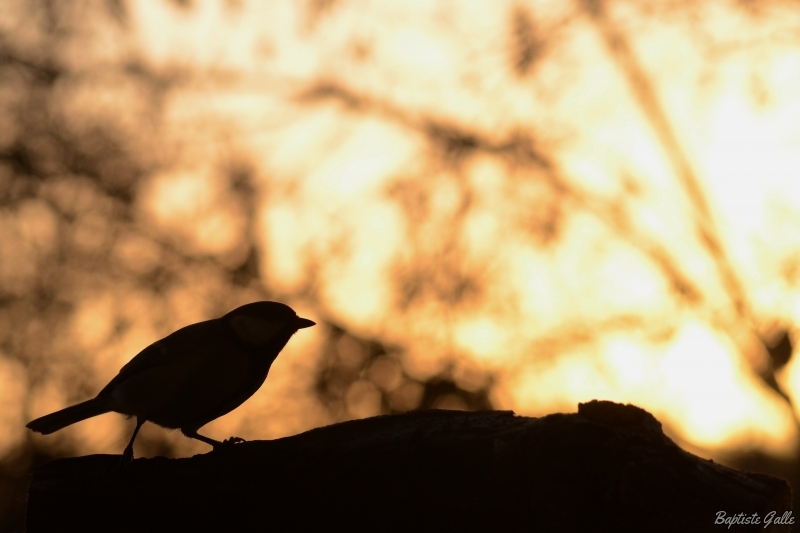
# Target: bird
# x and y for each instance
(192, 376)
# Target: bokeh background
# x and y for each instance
(484, 205)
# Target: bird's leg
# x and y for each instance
(127, 455)
(193, 434)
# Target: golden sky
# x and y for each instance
(578, 199)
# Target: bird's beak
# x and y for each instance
(301, 323)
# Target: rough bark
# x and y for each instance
(607, 468)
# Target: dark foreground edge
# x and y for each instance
(607, 468)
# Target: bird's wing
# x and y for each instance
(184, 343)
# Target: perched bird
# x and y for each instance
(192, 376)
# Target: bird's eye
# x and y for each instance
(256, 331)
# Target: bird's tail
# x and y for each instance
(63, 418)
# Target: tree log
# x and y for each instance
(607, 468)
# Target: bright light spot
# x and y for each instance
(370, 154)
(482, 338)
(288, 237)
(93, 321)
(557, 386)
(418, 50)
(360, 291)
(628, 363)
(196, 211)
(695, 385)
(714, 399)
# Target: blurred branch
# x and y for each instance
(521, 149)
(646, 96)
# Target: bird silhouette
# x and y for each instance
(192, 376)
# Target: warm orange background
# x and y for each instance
(536, 203)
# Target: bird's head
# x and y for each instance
(258, 323)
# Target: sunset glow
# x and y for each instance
(550, 204)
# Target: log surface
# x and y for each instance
(608, 467)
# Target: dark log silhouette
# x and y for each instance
(607, 468)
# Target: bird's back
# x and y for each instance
(184, 377)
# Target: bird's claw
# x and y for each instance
(227, 443)
(125, 462)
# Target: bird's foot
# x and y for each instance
(125, 462)
(227, 443)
